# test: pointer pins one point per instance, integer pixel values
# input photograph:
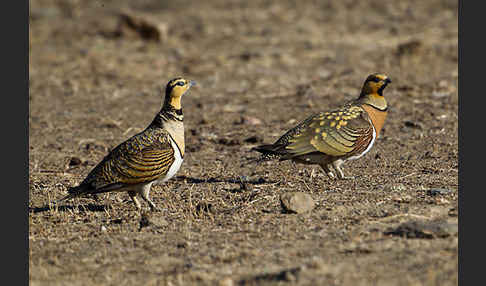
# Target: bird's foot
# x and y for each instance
(331, 175)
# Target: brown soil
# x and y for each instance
(262, 66)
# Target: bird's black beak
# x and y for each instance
(387, 81)
(192, 83)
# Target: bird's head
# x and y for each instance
(372, 91)
(175, 89)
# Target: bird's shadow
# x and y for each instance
(88, 207)
(238, 180)
(242, 181)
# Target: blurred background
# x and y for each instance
(108, 60)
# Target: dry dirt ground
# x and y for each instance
(262, 66)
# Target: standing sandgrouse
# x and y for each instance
(154, 154)
(331, 138)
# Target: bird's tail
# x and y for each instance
(268, 152)
(73, 192)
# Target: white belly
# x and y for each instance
(175, 166)
(367, 148)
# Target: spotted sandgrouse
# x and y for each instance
(331, 138)
(154, 154)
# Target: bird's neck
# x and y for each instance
(168, 113)
(374, 100)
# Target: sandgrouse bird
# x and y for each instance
(154, 154)
(331, 138)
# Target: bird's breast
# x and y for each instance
(176, 132)
(176, 165)
(377, 117)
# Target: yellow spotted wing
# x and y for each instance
(341, 132)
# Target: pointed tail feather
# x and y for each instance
(87, 189)
(73, 192)
(269, 152)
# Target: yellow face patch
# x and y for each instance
(174, 91)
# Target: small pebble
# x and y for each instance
(297, 202)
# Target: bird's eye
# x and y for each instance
(181, 83)
(376, 79)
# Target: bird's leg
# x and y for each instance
(337, 166)
(327, 170)
(133, 196)
(145, 195)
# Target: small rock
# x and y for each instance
(103, 229)
(439, 191)
(296, 202)
(424, 229)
